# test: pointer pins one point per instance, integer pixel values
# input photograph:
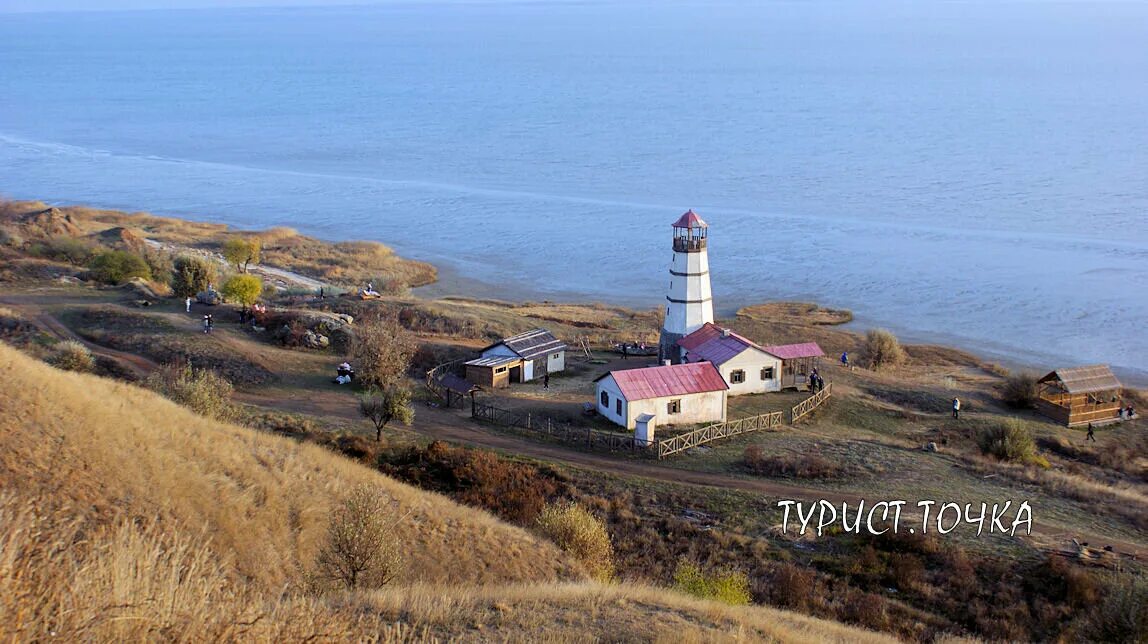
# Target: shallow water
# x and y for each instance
(974, 172)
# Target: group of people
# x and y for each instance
(345, 374)
(255, 315)
(208, 323)
(816, 382)
(1127, 413)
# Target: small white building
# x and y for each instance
(678, 394)
(746, 367)
(541, 353)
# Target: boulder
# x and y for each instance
(931, 447)
(139, 287)
(211, 297)
(313, 340)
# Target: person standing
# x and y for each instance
(625, 350)
(844, 358)
(207, 324)
(956, 407)
(1091, 434)
(188, 303)
(546, 381)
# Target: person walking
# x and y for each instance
(207, 324)
(956, 407)
(546, 381)
(1091, 434)
(188, 303)
(844, 358)
(624, 351)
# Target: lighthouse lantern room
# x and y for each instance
(689, 301)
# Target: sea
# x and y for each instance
(967, 172)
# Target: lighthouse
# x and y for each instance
(689, 301)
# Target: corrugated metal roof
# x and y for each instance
(1084, 380)
(532, 344)
(455, 383)
(715, 344)
(793, 351)
(493, 361)
(690, 219)
(669, 380)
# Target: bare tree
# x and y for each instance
(382, 350)
(361, 550)
(381, 407)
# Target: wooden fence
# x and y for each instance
(804, 407)
(563, 431)
(435, 386)
(682, 442)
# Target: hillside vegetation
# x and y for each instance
(126, 517)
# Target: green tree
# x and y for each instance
(118, 266)
(191, 275)
(243, 288)
(382, 407)
(242, 251)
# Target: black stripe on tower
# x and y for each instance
(672, 272)
(688, 301)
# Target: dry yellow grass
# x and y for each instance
(124, 517)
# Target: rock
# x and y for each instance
(211, 297)
(50, 223)
(313, 340)
(931, 447)
(139, 287)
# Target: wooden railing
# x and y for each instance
(563, 431)
(809, 404)
(681, 443)
(436, 387)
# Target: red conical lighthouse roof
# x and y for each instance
(690, 220)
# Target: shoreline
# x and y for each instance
(452, 281)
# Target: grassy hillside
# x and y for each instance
(126, 517)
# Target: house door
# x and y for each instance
(516, 374)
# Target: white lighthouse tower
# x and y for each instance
(689, 302)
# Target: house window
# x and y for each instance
(605, 400)
(674, 406)
(618, 406)
(557, 355)
(767, 373)
(737, 376)
(500, 370)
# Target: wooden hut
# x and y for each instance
(797, 362)
(494, 371)
(1080, 395)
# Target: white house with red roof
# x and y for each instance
(678, 394)
(797, 362)
(744, 365)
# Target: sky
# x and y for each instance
(9, 6)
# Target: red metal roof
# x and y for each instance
(792, 351)
(690, 220)
(715, 344)
(669, 380)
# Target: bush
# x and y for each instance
(1123, 614)
(64, 249)
(1020, 391)
(361, 550)
(118, 266)
(728, 587)
(201, 390)
(72, 356)
(382, 350)
(881, 349)
(805, 466)
(160, 265)
(191, 275)
(582, 535)
(244, 289)
(1011, 441)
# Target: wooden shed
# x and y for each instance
(1080, 395)
(494, 371)
(797, 362)
(540, 353)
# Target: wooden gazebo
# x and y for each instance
(1080, 395)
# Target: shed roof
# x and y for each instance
(668, 380)
(492, 361)
(715, 344)
(455, 383)
(690, 219)
(794, 351)
(1084, 380)
(531, 344)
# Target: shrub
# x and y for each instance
(1012, 441)
(64, 249)
(160, 266)
(1123, 614)
(191, 275)
(72, 356)
(244, 289)
(382, 350)
(118, 266)
(1020, 391)
(805, 466)
(381, 407)
(201, 390)
(242, 251)
(361, 550)
(881, 349)
(582, 535)
(729, 587)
